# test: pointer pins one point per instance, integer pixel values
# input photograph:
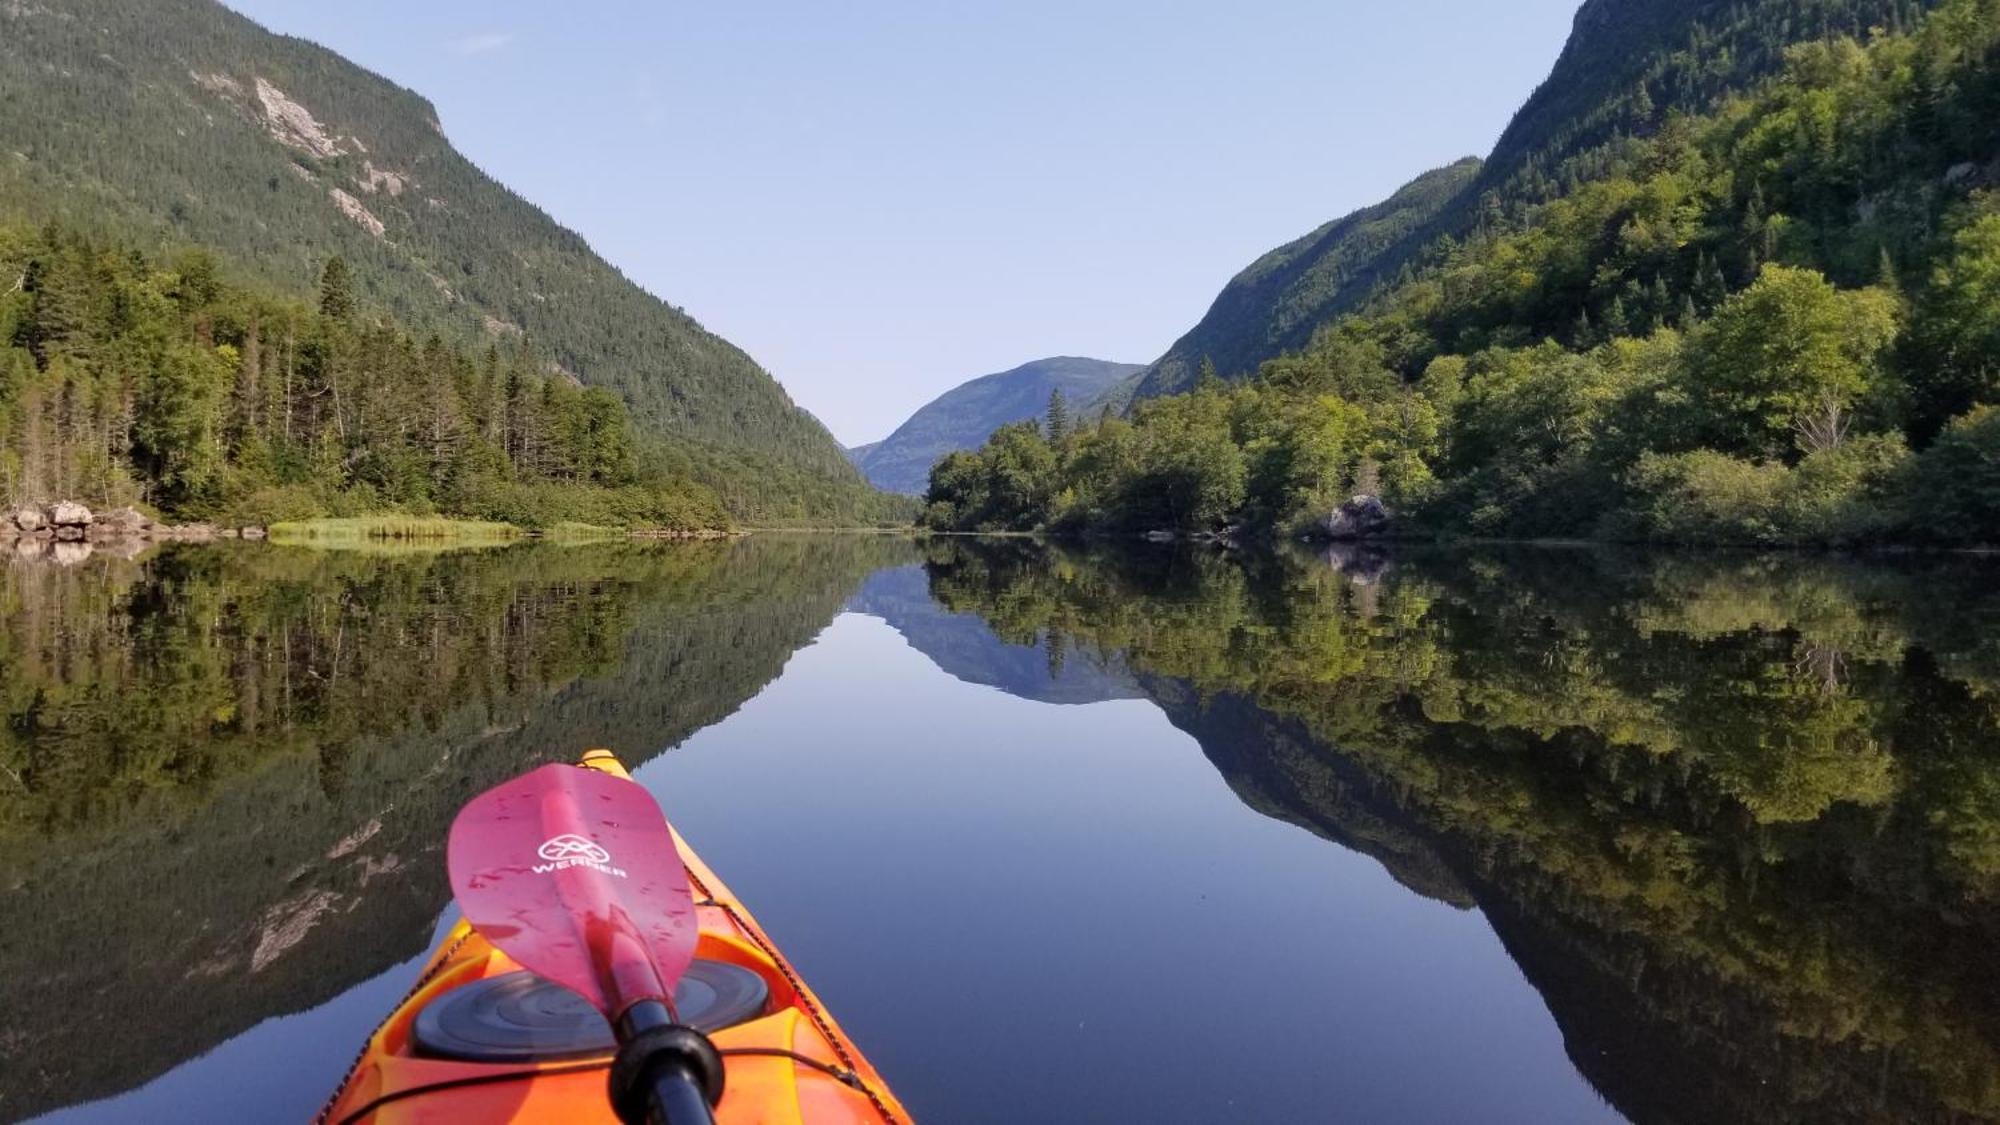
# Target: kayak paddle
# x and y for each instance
(573, 873)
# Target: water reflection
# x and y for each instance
(1737, 818)
(226, 772)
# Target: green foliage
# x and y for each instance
(124, 380)
(1786, 346)
(1958, 480)
(1704, 497)
(1954, 359)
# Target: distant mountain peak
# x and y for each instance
(965, 416)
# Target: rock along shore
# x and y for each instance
(67, 531)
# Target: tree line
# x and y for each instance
(1772, 323)
(127, 379)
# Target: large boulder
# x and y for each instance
(1363, 517)
(27, 519)
(68, 513)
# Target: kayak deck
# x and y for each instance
(791, 1063)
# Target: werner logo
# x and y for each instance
(571, 850)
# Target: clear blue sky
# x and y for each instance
(879, 199)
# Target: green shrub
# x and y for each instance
(1849, 494)
(1703, 496)
(1957, 480)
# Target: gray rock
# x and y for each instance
(68, 513)
(71, 533)
(1362, 517)
(253, 533)
(27, 519)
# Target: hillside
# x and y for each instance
(965, 416)
(1273, 306)
(1626, 68)
(1770, 323)
(180, 122)
(1628, 64)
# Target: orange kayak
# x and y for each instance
(480, 1039)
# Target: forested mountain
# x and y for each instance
(967, 415)
(1273, 306)
(1771, 322)
(1629, 64)
(1627, 67)
(179, 122)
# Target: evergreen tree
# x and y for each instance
(1207, 382)
(336, 290)
(1058, 418)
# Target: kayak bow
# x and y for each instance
(481, 1039)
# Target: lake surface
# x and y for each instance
(1534, 835)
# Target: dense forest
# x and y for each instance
(180, 123)
(1770, 323)
(126, 380)
(1707, 801)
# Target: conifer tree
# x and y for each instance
(336, 290)
(1059, 421)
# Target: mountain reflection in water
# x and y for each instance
(1737, 818)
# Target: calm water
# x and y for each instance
(1498, 835)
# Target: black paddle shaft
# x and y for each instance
(666, 1073)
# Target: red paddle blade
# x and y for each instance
(573, 873)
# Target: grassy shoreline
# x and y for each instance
(392, 529)
(395, 530)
